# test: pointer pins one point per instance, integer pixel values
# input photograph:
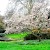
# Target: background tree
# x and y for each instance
(1, 23)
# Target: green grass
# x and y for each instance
(43, 45)
(24, 45)
(17, 35)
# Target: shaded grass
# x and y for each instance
(33, 42)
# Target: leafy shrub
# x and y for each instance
(30, 37)
(2, 34)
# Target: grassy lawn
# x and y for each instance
(24, 45)
(18, 35)
(27, 45)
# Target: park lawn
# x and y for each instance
(27, 45)
(17, 36)
(24, 45)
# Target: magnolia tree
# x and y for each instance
(27, 14)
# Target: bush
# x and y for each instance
(2, 30)
(30, 37)
(2, 34)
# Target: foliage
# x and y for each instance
(30, 37)
(1, 23)
(2, 34)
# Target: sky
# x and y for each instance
(3, 6)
